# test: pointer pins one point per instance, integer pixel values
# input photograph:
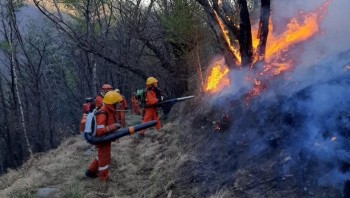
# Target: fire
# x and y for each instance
(299, 29)
(218, 77)
(232, 48)
(277, 67)
(295, 33)
(258, 87)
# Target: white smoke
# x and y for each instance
(321, 77)
(317, 90)
(335, 30)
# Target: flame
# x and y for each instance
(299, 29)
(232, 48)
(258, 87)
(218, 77)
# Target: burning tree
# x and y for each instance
(235, 35)
(294, 135)
(254, 45)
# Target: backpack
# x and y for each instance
(87, 108)
(90, 122)
(141, 96)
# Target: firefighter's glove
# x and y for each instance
(113, 127)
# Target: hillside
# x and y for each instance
(270, 116)
(139, 168)
(263, 149)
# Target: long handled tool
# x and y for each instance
(118, 134)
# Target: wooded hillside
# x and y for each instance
(269, 114)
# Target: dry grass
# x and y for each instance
(222, 194)
(139, 168)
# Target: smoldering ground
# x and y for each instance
(292, 138)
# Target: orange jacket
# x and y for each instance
(133, 100)
(98, 102)
(105, 117)
(150, 110)
(135, 105)
(151, 98)
(123, 104)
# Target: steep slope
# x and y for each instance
(291, 140)
(139, 168)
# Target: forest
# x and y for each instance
(269, 79)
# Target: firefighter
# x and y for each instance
(135, 104)
(121, 109)
(153, 96)
(99, 98)
(106, 123)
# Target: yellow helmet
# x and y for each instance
(112, 97)
(151, 80)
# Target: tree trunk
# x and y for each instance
(199, 67)
(245, 34)
(214, 21)
(40, 136)
(23, 124)
(5, 130)
(12, 22)
(58, 9)
(94, 75)
(5, 113)
(50, 122)
(263, 28)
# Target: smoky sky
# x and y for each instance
(334, 26)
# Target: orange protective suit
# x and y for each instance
(105, 118)
(98, 102)
(150, 110)
(122, 106)
(135, 105)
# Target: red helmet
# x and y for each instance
(106, 87)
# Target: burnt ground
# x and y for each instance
(259, 150)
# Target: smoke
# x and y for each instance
(238, 85)
(311, 103)
(317, 90)
(298, 127)
(334, 37)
